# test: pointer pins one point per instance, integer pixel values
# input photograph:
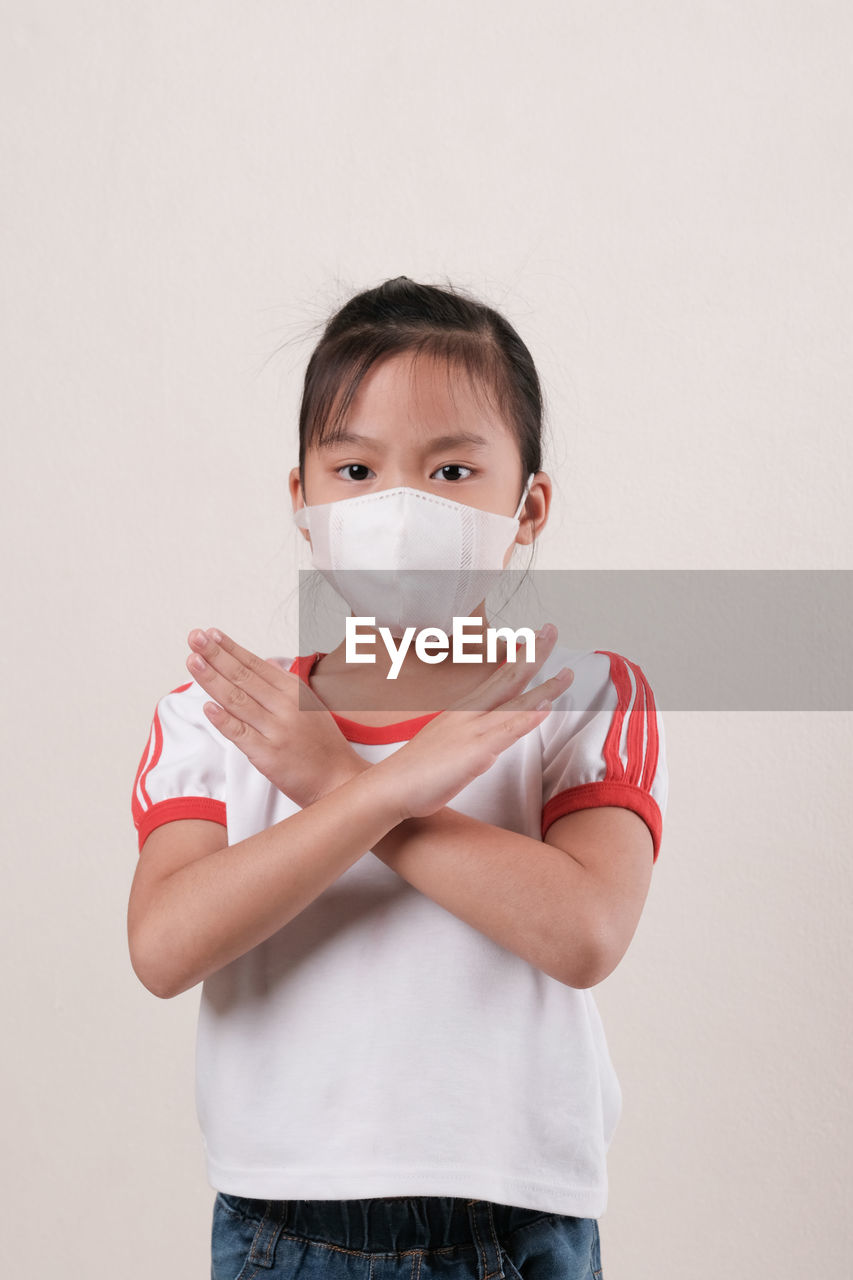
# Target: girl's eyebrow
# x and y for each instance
(449, 441)
(454, 439)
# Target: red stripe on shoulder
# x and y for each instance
(155, 756)
(652, 743)
(614, 771)
(144, 770)
(642, 744)
(636, 727)
(136, 808)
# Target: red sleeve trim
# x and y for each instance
(180, 807)
(592, 794)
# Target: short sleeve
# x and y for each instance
(182, 770)
(603, 743)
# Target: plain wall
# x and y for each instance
(658, 196)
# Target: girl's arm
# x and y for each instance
(571, 902)
(196, 903)
(569, 906)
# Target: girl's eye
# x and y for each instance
(353, 466)
(453, 466)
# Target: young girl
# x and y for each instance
(398, 893)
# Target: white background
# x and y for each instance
(657, 195)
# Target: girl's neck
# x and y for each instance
(419, 687)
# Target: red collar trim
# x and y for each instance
(353, 730)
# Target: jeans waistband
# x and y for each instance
(394, 1224)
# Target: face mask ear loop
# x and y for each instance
(524, 495)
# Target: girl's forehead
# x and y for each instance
(424, 395)
(476, 435)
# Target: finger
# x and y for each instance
(232, 728)
(511, 677)
(508, 721)
(236, 700)
(284, 682)
(550, 689)
(522, 668)
(242, 665)
(242, 669)
(503, 729)
(268, 671)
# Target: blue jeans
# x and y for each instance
(400, 1238)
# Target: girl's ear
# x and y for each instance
(297, 498)
(534, 517)
(294, 484)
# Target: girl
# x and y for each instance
(398, 904)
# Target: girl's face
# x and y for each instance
(409, 424)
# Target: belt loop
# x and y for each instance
(262, 1252)
(489, 1257)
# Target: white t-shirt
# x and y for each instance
(377, 1045)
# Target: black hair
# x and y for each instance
(401, 315)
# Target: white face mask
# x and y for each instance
(369, 547)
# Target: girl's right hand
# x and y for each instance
(465, 739)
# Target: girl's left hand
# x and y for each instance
(305, 756)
